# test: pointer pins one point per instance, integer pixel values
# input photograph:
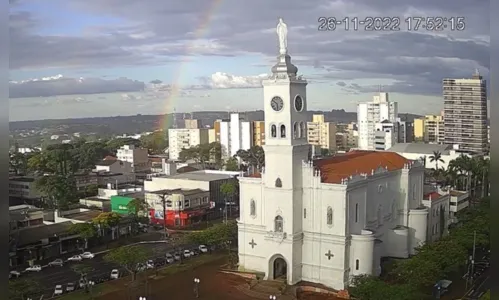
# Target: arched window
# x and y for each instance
(278, 183)
(303, 130)
(283, 131)
(278, 224)
(252, 208)
(273, 130)
(304, 213)
(356, 212)
(329, 216)
(356, 264)
(296, 130)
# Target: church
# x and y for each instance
(326, 220)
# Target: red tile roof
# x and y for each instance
(432, 196)
(109, 157)
(336, 168)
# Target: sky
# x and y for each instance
(85, 58)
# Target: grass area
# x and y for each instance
(116, 285)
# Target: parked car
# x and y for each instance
(87, 255)
(70, 287)
(203, 248)
(150, 264)
(187, 253)
(58, 262)
(34, 268)
(58, 290)
(75, 258)
(170, 258)
(115, 274)
(176, 255)
(14, 274)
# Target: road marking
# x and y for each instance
(480, 295)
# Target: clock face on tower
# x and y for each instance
(298, 103)
(277, 103)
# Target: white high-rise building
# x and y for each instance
(371, 113)
(326, 220)
(183, 138)
(235, 135)
(138, 157)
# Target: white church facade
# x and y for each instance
(323, 221)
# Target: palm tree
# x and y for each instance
(436, 157)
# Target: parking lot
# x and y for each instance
(50, 276)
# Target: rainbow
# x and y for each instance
(175, 88)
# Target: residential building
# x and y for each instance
(386, 134)
(321, 133)
(138, 157)
(438, 217)
(326, 220)
(212, 135)
(183, 138)
(85, 180)
(206, 180)
(21, 216)
(371, 113)
(24, 187)
(183, 207)
(113, 167)
(235, 134)
(192, 124)
(405, 130)
(426, 153)
(430, 129)
(258, 133)
(465, 110)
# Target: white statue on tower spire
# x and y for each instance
(282, 33)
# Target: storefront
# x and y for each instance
(178, 218)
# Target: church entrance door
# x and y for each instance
(280, 268)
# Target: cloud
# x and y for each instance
(341, 83)
(156, 32)
(59, 85)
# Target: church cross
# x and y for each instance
(252, 243)
(329, 255)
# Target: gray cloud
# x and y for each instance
(160, 31)
(71, 86)
(341, 83)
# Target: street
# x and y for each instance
(481, 286)
(49, 277)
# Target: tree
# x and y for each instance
(137, 208)
(373, 288)
(232, 164)
(203, 153)
(59, 191)
(114, 144)
(19, 163)
(82, 270)
(85, 230)
(155, 142)
(214, 235)
(229, 190)
(21, 289)
(436, 157)
(254, 157)
(128, 257)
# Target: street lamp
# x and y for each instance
(272, 297)
(196, 287)
(90, 285)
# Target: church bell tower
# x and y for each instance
(285, 107)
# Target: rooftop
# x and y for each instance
(84, 216)
(31, 235)
(185, 192)
(334, 169)
(421, 148)
(136, 195)
(203, 175)
(106, 162)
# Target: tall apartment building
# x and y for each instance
(370, 114)
(235, 134)
(183, 138)
(258, 133)
(405, 130)
(430, 129)
(465, 111)
(192, 123)
(138, 157)
(321, 133)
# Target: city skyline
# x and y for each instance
(96, 58)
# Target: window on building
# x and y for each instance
(187, 203)
(304, 213)
(302, 129)
(273, 131)
(168, 203)
(356, 264)
(329, 216)
(278, 183)
(205, 200)
(356, 212)
(278, 224)
(252, 208)
(296, 130)
(283, 131)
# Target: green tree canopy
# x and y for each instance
(128, 257)
(21, 289)
(107, 219)
(232, 164)
(254, 157)
(373, 288)
(216, 234)
(155, 142)
(116, 143)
